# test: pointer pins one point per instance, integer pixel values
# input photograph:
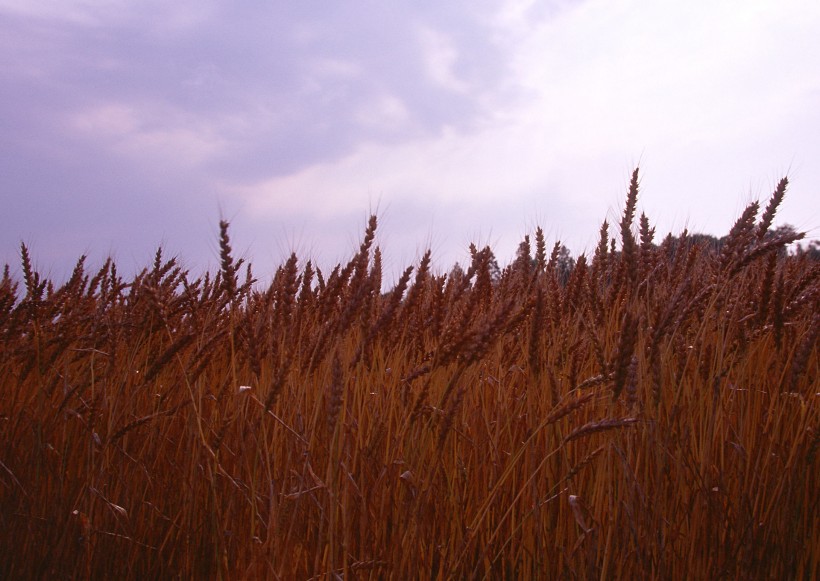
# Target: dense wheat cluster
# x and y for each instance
(651, 412)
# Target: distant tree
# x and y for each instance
(495, 270)
(564, 264)
(812, 250)
(706, 241)
(712, 244)
(456, 273)
(783, 231)
(523, 259)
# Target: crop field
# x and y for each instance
(651, 411)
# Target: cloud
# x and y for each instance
(440, 58)
(599, 90)
(150, 135)
(468, 116)
(162, 17)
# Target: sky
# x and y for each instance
(131, 124)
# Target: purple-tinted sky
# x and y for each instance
(129, 124)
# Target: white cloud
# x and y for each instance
(464, 120)
(73, 11)
(166, 18)
(441, 57)
(386, 112)
(452, 168)
(666, 68)
(602, 87)
(148, 135)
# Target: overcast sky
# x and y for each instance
(126, 124)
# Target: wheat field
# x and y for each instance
(651, 412)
